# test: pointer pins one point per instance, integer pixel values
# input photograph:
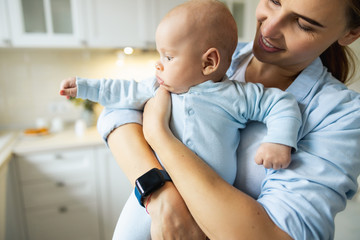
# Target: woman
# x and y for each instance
(299, 202)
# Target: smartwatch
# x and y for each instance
(149, 183)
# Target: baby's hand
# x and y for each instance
(68, 87)
(273, 155)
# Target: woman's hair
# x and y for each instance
(340, 60)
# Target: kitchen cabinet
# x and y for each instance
(59, 194)
(115, 23)
(114, 190)
(97, 23)
(46, 23)
(4, 25)
(244, 14)
(122, 23)
(155, 11)
(63, 192)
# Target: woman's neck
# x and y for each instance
(269, 75)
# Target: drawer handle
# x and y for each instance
(63, 209)
(58, 157)
(60, 184)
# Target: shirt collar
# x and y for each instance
(241, 52)
(304, 83)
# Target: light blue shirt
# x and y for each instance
(304, 198)
(207, 117)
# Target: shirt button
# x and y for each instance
(189, 143)
(191, 112)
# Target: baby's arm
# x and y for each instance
(273, 155)
(280, 112)
(110, 93)
(68, 87)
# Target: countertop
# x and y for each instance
(66, 139)
(19, 144)
(7, 141)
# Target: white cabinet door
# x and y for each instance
(155, 11)
(4, 24)
(59, 194)
(46, 23)
(66, 222)
(114, 188)
(115, 23)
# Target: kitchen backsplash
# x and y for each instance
(30, 80)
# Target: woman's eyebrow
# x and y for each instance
(309, 20)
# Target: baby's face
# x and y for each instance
(180, 64)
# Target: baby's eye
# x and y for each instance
(168, 58)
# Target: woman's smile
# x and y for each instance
(268, 47)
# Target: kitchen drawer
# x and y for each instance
(57, 165)
(52, 193)
(73, 222)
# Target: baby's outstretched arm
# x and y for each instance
(68, 87)
(273, 155)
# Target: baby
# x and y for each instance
(196, 41)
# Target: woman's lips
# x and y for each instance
(264, 44)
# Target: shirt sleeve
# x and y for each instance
(304, 199)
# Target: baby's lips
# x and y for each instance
(159, 80)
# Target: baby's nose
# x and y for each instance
(159, 66)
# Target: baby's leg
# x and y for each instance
(134, 223)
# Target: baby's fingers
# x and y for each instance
(68, 83)
(69, 92)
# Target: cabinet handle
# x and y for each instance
(62, 209)
(60, 184)
(83, 43)
(7, 41)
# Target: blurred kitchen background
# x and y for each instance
(57, 178)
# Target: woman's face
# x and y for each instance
(292, 33)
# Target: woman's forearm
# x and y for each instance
(222, 211)
(170, 217)
(124, 142)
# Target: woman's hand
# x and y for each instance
(156, 116)
(170, 218)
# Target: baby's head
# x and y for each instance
(196, 41)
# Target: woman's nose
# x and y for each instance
(272, 27)
(159, 66)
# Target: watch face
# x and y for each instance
(149, 182)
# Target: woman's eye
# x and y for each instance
(275, 2)
(303, 27)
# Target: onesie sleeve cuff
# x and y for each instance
(283, 131)
(111, 119)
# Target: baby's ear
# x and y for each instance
(210, 61)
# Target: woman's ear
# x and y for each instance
(210, 61)
(350, 37)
